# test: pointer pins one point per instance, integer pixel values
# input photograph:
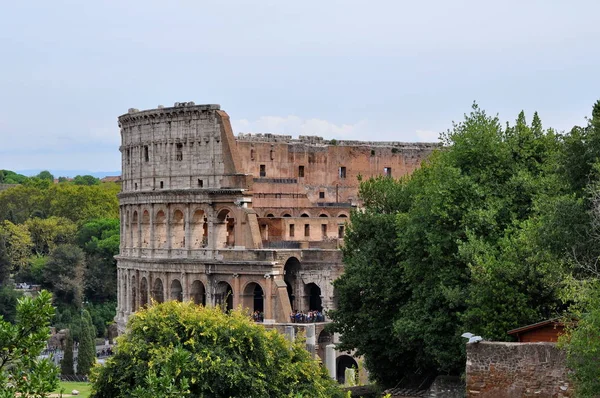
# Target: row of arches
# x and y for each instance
(164, 230)
(253, 296)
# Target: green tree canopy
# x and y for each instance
(459, 246)
(184, 350)
(63, 274)
(21, 372)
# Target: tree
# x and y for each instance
(63, 274)
(9, 298)
(86, 356)
(21, 371)
(47, 233)
(17, 244)
(86, 180)
(66, 365)
(467, 250)
(46, 175)
(185, 350)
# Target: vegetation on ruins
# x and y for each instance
(22, 373)
(493, 232)
(184, 350)
(63, 237)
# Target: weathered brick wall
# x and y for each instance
(507, 370)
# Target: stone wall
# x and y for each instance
(507, 370)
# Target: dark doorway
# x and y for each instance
(314, 297)
(344, 362)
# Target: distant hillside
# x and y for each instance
(70, 173)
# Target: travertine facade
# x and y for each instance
(254, 221)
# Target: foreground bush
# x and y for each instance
(184, 350)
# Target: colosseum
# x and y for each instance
(254, 221)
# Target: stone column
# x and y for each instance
(330, 355)
(268, 300)
(236, 291)
(139, 229)
(152, 235)
(169, 229)
(119, 298)
(188, 229)
(185, 282)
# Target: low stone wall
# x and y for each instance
(507, 370)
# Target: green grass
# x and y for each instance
(84, 388)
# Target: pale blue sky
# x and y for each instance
(385, 70)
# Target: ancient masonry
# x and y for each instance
(253, 221)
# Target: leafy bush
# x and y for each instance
(184, 350)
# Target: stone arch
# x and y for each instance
(323, 215)
(292, 279)
(304, 215)
(198, 293)
(160, 230)
(343, 215)
(270, 215)
(178, 230)
(224, 296)
(344, 362)
(158, 292)
(313, 294)
(143, 292)
(135, 227)
(133, 294)
(325, 338)
(199, 229)
(286, 215)
(254, 297)
(225, 228)
(176, 290)
(146, 229)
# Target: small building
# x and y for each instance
(545, 331)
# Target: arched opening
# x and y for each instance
(176, 290)
(198, 293)
(135, 227)
(133, 294)
(323, 340)
(304, 215)
(158, 293)
(224, 296)
(314, 297)
(342, 215)
(145, 229)
(270, 215)
(290, 271)
(344, 362)
(254, 299)
(160, 230)
(143, 292)
(287, 215)
(323, 215)
(199, 230)
(178, 230)
(226, 229)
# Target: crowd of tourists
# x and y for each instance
(307, 317)
(258, 316)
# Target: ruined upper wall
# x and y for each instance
(310, 171)
(316, 140)
(181, 147)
